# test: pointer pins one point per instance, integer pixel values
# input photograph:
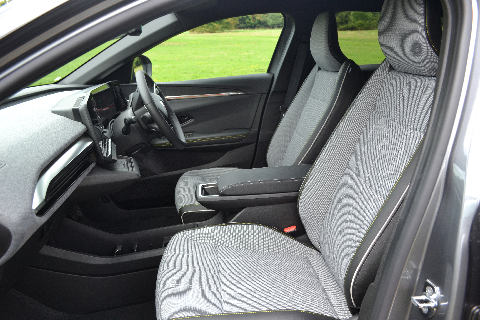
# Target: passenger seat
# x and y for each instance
(313, 114)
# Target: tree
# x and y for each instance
(217, 26)
(357, 20)
(254, 21)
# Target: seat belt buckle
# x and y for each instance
(291, 231)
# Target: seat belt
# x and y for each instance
(302, 51)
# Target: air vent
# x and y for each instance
(55, 181)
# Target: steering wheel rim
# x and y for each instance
(160, 110)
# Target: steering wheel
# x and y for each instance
(161, 112)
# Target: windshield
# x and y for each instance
(65, 70)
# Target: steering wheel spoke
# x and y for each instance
(160, 111)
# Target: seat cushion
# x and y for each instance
(243, 268)
(188, 182)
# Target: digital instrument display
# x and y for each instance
(105, 102)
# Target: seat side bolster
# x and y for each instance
(285, 128)
(364, 264)
(267, 315)
(349, 84)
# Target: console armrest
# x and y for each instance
(262, 180)
(253, 187)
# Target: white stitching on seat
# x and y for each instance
(380, 232)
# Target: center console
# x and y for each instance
(253, 187)
(266, 196)
(96, 108)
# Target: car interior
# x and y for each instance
(274, 195)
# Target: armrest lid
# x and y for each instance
(262, 180)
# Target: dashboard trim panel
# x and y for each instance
(41, 188)
(207, 95)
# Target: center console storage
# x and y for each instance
(244, 188)
(108, 178)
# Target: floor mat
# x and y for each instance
(17, 306)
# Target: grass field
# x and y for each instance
(190, 56)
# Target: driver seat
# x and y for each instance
(348, 202)
(318, 106)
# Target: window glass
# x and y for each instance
(358, 36)
(230, 47)
(62, 72)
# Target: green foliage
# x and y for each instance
(2, 2)
(357, 20)
(260, 21)
(255, 21)
(217, 26)
(347, 20)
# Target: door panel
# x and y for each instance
(217, 114)
(221, 131)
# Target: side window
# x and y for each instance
(230, 47)
(358, 36)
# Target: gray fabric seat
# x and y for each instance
(347, 203)
(232, 287)
(318, 106)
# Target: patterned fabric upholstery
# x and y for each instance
(407, 40)
(235, 268)
(324, 43)
(308, 112)
(348, 185)
(319, 187)
(339, 203)
(188, 182)
(241, 268)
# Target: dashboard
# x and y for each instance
(51, 143)
(96, 107)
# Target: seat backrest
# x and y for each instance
(321, 101)
(355, 186)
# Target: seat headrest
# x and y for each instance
(410, 32)
(324, 43)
